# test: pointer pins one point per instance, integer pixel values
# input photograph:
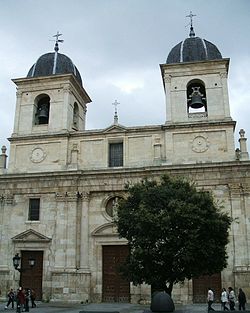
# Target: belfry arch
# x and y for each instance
(42, 108)
(196, 96)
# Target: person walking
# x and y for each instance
(33, 298)
(242, 300)
(224, 300)
(231, 298)
(210, 299)
(27, 299)
(20, 300)
(11, 297)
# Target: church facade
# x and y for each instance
(60, 190)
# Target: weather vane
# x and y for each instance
(191, 15)
(57, 40)
(116, 115)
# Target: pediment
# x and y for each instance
(108, 229)
(115, 129)
(31, 235)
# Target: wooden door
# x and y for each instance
(31, 277)
(201, 285)
(115, 287)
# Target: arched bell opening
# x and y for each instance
(42, 109)
(75, 116)
(196, 97)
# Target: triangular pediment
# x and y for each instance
(108, 229)
(115, 129)
(31, 235)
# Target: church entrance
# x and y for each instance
(115, 287)
(201, 285)
(31, 276)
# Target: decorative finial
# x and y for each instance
(116, 115)
(242, 133)
(57, 40)
(192, 33)
(4, 149)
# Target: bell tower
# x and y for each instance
(51, 98)
(197, 104)
(51, 106)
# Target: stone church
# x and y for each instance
(60, 190)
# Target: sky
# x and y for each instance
(117, 45)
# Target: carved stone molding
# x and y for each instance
(167, 78)
(223, 75)
(7, 199)
(67, 196)
(72, 196)
(239, 188)
(200, 144)
(198, 115)
(85, 196)
(37, 155)
(19, 93)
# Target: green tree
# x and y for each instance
(174, 232)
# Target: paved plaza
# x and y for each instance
(109, 307)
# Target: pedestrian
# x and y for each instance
(224, 300)
(11, 297)
(20, 300)
(33, 298)
(27, 299)
(231, 298)
(210, 299)
(242, 300)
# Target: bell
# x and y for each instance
(43, 115)
(196, 102)
(196, 99)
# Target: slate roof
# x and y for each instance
(54, 63)
(193, 49)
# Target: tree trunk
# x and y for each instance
(162, 287)
(168, 288)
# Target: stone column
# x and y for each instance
(17, 112)
(243, 146)
(3, 158)
(223, 76)
(84, 245)
(167, 82)
(65, 108)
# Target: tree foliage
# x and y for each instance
(174, 232)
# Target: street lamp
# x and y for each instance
(32, 262)
(17, 262)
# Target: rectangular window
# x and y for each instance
(116, 154)
(34, 209)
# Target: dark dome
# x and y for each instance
(193, 49)
(54, 63)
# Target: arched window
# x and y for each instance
(76, 116)
(42, 110)
(196, 97)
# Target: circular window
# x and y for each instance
(111, 206)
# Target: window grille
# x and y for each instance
(116, 154)
(34, 209)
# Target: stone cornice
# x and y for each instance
(230, 165)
